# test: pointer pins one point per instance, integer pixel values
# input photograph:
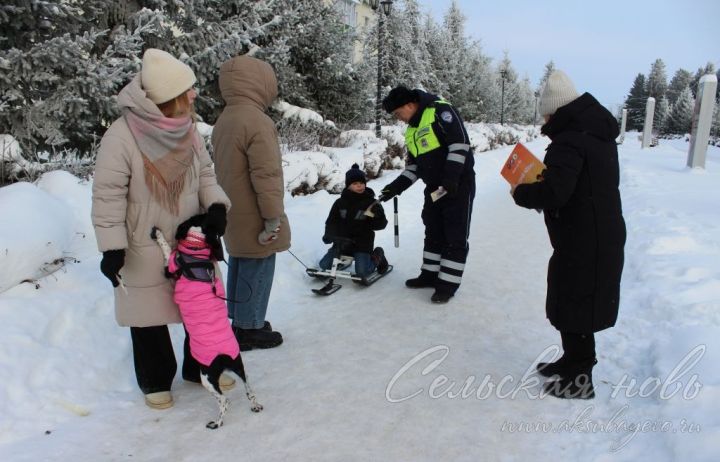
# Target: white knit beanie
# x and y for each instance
(559, 91)
(164, 77)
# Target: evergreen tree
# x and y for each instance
(635, 103)
(319, 73)
(452, 52)
(709, 68)
(715, 129)
(657, 80)
(679, 120)
(518, 103)
(460, 68)
(60, 73)
(478, 93)
(656, 88)
(407, 55)
(63, 62)
(680, 80)
(437, 82)
(549, 69)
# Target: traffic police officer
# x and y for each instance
(439, 153)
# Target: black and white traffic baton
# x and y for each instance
(397, 226)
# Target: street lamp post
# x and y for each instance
(381, 8)
(503, 75)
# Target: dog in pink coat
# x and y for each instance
(200, 295)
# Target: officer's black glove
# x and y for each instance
(450, 187)
(216, 220)
(112, 262)
(327, 239)
(389, 192)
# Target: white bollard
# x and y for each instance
(702, 120)
(623, 122)
(647, 128)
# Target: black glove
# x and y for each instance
(388, 192)
(450, 186)
(111, 263)
(216, 220)
(327, 239)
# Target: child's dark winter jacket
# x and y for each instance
(347, 219)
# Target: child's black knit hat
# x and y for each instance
(354, 174)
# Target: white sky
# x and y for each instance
(601, 45)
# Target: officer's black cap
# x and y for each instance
(398, 96)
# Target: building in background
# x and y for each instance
(360, 17)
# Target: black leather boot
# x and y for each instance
(426, 279)
(575, 385)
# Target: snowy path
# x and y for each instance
(324, 390)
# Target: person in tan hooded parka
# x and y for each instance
(248, 165)
(152, 169)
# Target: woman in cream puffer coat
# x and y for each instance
(152, 170)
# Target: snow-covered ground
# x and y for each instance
(380, 373)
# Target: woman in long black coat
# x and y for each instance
(581, 202)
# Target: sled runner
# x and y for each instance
(339, 270)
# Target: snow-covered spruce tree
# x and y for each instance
(657, 87)
(635, 104)
(549, 69)
(408, 60)
(715, 128)
(679, 119)
(663, 112)
(319, 72)
(679, 81)
(462, 70)
(59, 74)
(204, 33)
(479, 90)
(709, 68)
(433, 79)
(449, 63)
(519, 99)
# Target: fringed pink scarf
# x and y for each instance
(167, 146)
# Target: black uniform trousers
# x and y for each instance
(154, 358)
(447, 227)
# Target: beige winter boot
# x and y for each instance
(159, 400)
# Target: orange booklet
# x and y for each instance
(522, 167)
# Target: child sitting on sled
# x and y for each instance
(351, 230)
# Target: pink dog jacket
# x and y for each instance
(203, 312)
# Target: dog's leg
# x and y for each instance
(223, 402)
(158, 237)
(238, 369)
(254, 405)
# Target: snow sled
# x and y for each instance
(339, 270)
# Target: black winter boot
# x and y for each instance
(441, 296)
(574, 386)
(574, 368)
(426, 279)
(378, 257)
(559, 367)
(249, 339)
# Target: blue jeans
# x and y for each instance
(249, 283)
(363, 263)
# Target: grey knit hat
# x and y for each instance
(559, 91)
